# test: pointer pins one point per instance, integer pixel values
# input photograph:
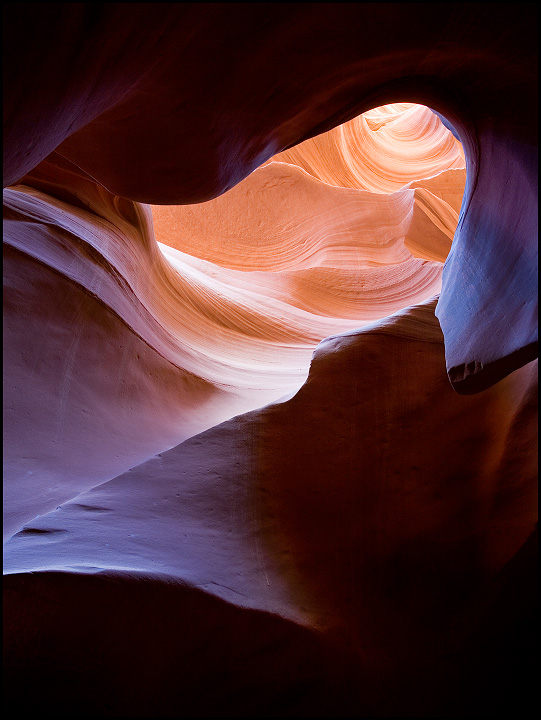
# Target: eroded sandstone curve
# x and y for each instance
(362, 542)
(429, 529)
(381, 150)
(278, 217)
(110, 90)
(228, 319)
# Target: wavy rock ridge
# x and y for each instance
(364, 546)
(268, 270)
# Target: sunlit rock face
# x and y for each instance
(362, 542)
(382, 150)
(225, 325)
(294, 213)
(263, 88)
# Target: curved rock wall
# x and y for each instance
(363, 545)
(228, 313)
(391, 527)
(100, 79)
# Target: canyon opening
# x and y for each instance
(270, 359)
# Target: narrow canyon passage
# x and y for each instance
(268, 270)
(270, 377)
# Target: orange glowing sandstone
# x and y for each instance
(363, 546)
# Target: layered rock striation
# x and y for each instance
(227, 314)
(277, 76)
(245, 303)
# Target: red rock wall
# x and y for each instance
(363, 546)
(229, 316)
(265, 87)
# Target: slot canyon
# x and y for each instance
(270, 359)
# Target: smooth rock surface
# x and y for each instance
(354, 515)
(283, 461)
(222, 320)
(110, 90)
